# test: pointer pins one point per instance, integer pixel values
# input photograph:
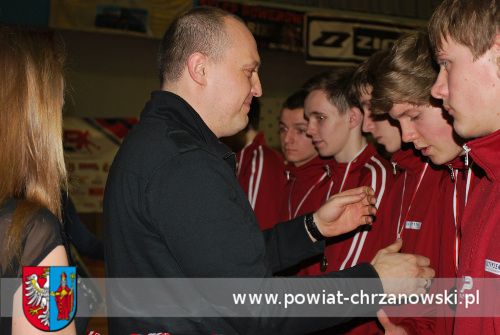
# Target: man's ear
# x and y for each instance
(355, 117)
(197, 66)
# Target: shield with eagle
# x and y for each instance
(49, 296)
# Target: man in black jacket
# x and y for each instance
(174, 209)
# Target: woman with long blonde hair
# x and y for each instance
(32, 170)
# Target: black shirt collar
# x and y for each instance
(177, 111)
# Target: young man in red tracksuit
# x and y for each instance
(432, 195)
(308, 178)
(335, 127)
(412, 198)
(387, 133)
(260, 172)
(466, 40)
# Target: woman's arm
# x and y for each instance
(20, 325)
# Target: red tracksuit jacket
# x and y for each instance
(425, 221)
(261, 174)
(480, 246)
(455, 192)
(306, 189)
(411, 212)
(345, 251)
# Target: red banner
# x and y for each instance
(273, 28)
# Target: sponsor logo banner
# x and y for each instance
(344, 40)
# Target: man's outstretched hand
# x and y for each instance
(346, 211)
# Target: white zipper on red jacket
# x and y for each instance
(466, 150)
(253, 189)
(379, 198)
(455, 210)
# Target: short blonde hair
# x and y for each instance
(406, 75)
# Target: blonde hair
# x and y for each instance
(406, 74)
(31, 99)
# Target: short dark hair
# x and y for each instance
(296, 100)
(254, 114)
(335, 84)
(473, 23)
(201, 29)
(364, 76)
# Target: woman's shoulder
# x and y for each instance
(39, 219)
(43, 220)
(41, 233)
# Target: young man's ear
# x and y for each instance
(355, 117)
(496, 50)
(197, 66)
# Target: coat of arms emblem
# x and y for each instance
(49, 296)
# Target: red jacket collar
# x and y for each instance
(311, 168)
(485, 151)
(457, 163)
(358, 162)
(259, 139)
(409, 160)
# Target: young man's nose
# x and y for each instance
(367, 124)
(408, 134)
(440, 88)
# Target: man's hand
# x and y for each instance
(402, 273)
(346, 211)
(389, 327)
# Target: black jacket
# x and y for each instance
(174, 209)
